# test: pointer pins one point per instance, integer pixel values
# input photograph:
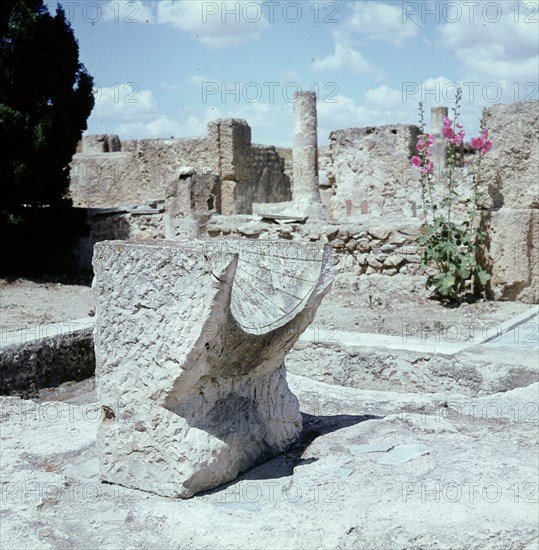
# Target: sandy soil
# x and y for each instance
(25, 302)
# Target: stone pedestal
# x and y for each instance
(306, 193)
(190, 341)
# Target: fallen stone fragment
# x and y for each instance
(404, 453)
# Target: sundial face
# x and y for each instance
(273, 279)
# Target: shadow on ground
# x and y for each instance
(284, 464)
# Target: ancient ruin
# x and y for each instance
(396, 417)
(190, 343)
(306, 194)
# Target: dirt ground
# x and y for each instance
(25, 302)
(387, 306)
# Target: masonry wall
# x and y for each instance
(374, 195)
(104, 176)
(510, 201)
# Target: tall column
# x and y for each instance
(439, 149)
(306, 193)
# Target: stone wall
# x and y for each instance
(368, 169)
(373, 194)
(511, 201)
(370, 175)
(360, 249)
(104, 176)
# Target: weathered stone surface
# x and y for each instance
(190, 340)
(101, 143)
(393, 261)
(338, 491)
(145, 167)
(369, 169)
(306, 193)
(510, 172)
(381, 233)
(513, 253)
(190, 200)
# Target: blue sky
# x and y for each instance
(167, 67)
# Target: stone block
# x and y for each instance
(190, 200)
(190, 342)
(513, 253)
(101, 143)
(108, 180)
(370, 172)
(510, 171)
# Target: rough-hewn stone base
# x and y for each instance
(190, 341)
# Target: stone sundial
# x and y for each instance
(190, 343)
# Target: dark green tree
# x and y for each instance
(45, 100)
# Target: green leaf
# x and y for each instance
(483, 276)
(444, 283)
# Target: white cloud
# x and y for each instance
(167, 87)
(377, 21)
(384, 97)
(346, 59)
(495, 44)
(198, 80)
(216, 24)
(382, 105)
(290, 75)
(123, 101)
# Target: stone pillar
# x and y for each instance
(439, 149)
(101, 143)
(190, 200)
(510, 201)
(306, 193)
(230, 144)
(190, 342)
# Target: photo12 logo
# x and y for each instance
(95, 12)
(270, 92)
(254, 12)
(470, 12)
(490, 92)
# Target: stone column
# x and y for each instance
(306, 193)
(439, 150)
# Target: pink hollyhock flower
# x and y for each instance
(427, 169)
(447, 132)
(486, 147)
(477, 142)
(459, 125)
(430, 140)
(420, 145)
(447, 122)
(416, 161)
(457, 138)
(482, 143)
